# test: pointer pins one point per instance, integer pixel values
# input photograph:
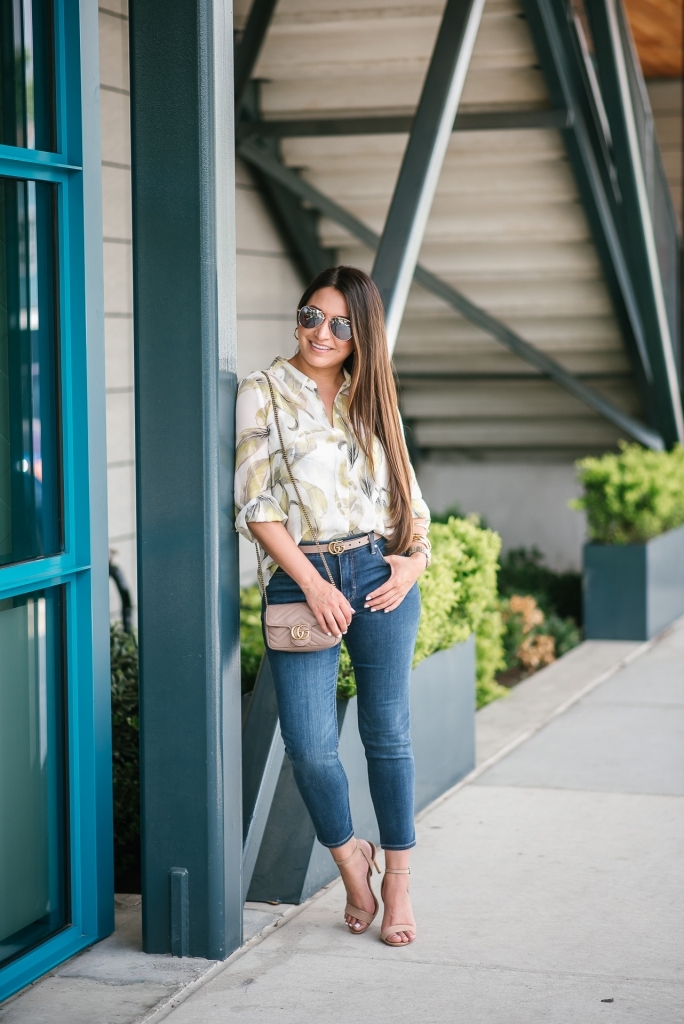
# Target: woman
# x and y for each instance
(337, 410)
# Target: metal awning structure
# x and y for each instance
(548, 253)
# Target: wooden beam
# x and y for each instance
(657, 30)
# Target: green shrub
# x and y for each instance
(489, 656)
(565, 633)
(346, 683)
(125, 759)
(557, 593)
(459, 597)
(531, 638)
(251, 637)
(632, 496)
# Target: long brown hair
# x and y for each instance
(373, 405)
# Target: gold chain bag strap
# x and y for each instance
(293, 627)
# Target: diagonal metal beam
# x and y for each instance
(393, 124)
(550, 35)
(402, 237)
(297, 225)
(255, 154)
(611, 58)
(247, 53)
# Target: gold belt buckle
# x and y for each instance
(335, 547)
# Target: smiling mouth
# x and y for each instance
(320, 348)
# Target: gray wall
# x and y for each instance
(526, 502)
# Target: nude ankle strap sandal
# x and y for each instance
(361, 915)
(394, 929)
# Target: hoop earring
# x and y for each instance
(295, 335)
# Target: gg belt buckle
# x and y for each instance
(335, 547)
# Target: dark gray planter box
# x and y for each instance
(632, 591)
(291, 864)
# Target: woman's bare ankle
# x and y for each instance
(342, 853)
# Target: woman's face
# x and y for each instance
(318, 345)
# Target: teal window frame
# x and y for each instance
(81, 568)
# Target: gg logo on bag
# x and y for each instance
(301, 631)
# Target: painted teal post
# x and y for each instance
(184, 287)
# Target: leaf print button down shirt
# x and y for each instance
(342, 496)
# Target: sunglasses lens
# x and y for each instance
(341, 329)
(310, 317)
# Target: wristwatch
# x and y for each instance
(424, 550)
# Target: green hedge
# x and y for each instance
(459, 597)
(632, 496)
(522, 571)
(125, 759)
(251, 637)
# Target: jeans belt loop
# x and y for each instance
(371, 540)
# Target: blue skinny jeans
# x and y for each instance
(381, 648)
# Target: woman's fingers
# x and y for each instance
(389, 601)
(332, 610)
(380, 600)
(339, 617)
(326, 619)
(388, 585)
(332, 621)
(340, 622)
(320, 619)
(346, 609)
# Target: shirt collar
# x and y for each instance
(280, 363)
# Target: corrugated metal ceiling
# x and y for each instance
(507, 227)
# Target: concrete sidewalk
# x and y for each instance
(550, 890)
(547, 889)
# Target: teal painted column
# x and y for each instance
(185, 352)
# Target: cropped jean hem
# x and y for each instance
(384, 846)
(333, 846)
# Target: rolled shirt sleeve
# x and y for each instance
(254, 498)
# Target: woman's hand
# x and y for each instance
(331, 608)
(405, 572)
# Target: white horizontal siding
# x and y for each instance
(117, 230)
(268, 285)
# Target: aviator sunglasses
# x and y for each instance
(311, 316)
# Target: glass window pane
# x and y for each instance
(33, 847)
(30, 482)
(27, 74)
